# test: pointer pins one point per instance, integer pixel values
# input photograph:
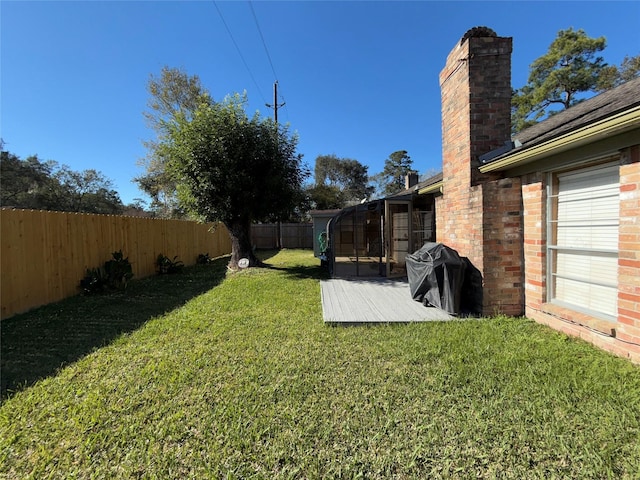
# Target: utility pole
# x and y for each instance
(275, 105)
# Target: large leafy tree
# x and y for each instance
(392, 178)
(25, 183)
(233, 168)
(338, 182)
(324, 197)
(86, 191)
(34, 184)
(171, 93)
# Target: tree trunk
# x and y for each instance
(240, 233)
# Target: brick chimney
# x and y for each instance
(480, 215)
(410, 180)
(476, 102)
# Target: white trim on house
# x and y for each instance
(616, 124)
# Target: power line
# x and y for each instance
(255, 18)
(239, 51)
(275, 105)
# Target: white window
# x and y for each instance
(582, 249)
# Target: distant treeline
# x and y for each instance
(47, 185)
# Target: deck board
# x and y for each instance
(364, 300)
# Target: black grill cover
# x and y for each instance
(436, 275)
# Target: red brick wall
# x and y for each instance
(489, 98)
(459, 222)
(534, 226)
(629, 251)
(503, 256)
(454, 85)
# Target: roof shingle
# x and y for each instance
(589, 111)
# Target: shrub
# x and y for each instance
(203, 259)
(166, 265)
(94, 281)
(118, 271)
(115, 275)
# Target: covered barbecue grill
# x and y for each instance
(436, 275)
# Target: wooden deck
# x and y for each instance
(369, 300)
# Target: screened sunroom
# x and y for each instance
(373, 239)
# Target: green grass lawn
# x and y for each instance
(209, 375)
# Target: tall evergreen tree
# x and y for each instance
(392, 178)
(570, 67)
(612, 76)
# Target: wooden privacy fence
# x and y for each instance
(44, 255)
(283, 235)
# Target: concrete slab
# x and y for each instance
(379, 300)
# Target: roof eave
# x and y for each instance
(612, 125)
(433, 188)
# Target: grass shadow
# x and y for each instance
(35, 344)
(302, 271)
(317, 272)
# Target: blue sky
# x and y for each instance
(360, 79)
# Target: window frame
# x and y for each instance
(551, 245)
